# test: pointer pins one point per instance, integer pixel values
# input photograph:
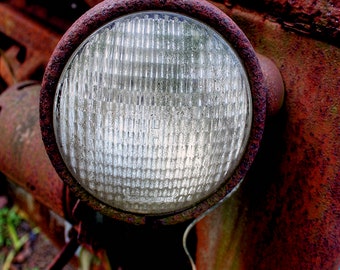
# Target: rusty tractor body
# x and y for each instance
(286, 213)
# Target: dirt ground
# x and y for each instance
(42, 253)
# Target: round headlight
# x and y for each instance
(150, 111)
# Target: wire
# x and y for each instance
(199, 218)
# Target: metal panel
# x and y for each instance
(286, 214)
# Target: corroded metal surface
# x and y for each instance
(318, 18)
(34, 43)
(92, 3)
(109, 10)
(274, 84)
(57, 15)
(22, 153)
(286, 214)
(33, 46)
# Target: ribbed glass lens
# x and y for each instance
(152, 112)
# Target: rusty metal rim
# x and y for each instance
(110, 10)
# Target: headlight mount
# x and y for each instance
(108, 11)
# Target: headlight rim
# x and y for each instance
(108, 11)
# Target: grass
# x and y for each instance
(10, 240)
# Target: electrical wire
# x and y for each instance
(199, 218)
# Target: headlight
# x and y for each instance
(152, 109)
(152, 112)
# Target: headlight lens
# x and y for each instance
(152, 112)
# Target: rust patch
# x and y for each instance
(274, 84)
(22, 154)
(286, 215)
(318, 18)
(33, 46)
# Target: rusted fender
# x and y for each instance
(286, 215)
